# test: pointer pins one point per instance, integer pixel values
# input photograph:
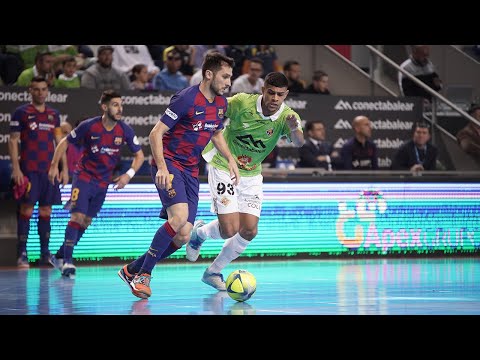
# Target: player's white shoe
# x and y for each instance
(214, 280)
(195, 243)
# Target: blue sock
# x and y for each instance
(71, 236)
(162, 239)
(44, 233)
(135, 266)
(23, 227)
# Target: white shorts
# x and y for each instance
(246, 197)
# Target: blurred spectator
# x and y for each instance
(69, 78)
(267, 54)
(170, 79)
(319, 84)
(139, 78)
(26, 53)
(359, 152)
(420, 66)
(239, 54)
(156, 52)
(201, 50)
(469, 137)
(43, 67)
(271, 160)
(127, 56)
(416, 154)
(102, 75)
(11, 66)
(316, 152)
(187, 58)
(250, 83)
(292, 71)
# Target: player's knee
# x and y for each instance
(87, 221)
(248, 234)
(26, 212)
(45, 211)
(78, 218)
(228, 231)
(177, 222)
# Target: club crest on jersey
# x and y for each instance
(171, 193)
(270, 132)
(117, 140)
(220, 113)
(50, 117)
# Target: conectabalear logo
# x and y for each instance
(369, 203)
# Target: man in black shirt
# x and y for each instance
(416, 154)
(360, 153)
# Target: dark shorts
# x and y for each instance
(184, 190)
(41, 190)
(87, 197)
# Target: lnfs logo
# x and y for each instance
(368, 204)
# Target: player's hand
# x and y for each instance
(234, 174)
(292, 122)
(163, 179)
(121, 181)
(18, 177)
(63, 178)
(53, 174)
(417, 167)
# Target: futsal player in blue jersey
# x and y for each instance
(102, 138)
(36, 126)
(194, 116)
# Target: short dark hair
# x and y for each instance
(38, 79)
(276, 79)
(309, 124)
(421, 125)
(256, 60)
(214, 62)
(108, 95)
(40, 55)
(69, 59)
(288, 64)
(317, 75)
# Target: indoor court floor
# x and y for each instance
(388, 286)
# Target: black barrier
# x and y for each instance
(391, 117)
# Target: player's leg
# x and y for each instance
(26, 205)
(49, 195)
(250, 205)
(225, 204)
(175, 201)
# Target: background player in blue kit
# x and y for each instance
(194, 116)
(36, 126)
(102, 138)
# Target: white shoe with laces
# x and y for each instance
(193, 247)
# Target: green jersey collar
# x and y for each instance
(271, 117)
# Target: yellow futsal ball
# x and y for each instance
(241, 285)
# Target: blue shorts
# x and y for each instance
(41, 190)
(87, 197)
(185, 189)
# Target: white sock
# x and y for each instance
(231, 250)
(210, 230)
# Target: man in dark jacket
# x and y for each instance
(316, 152)
(416, 154)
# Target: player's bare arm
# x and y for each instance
(122, 180)
(17, 174)
(60, 151)
(296, 133)
(63, 177)
(219, 142)
(162, 178)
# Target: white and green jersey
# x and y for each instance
(250, 135)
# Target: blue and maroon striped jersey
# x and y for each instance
(37, 136)
(101, 148)
(192, 121)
